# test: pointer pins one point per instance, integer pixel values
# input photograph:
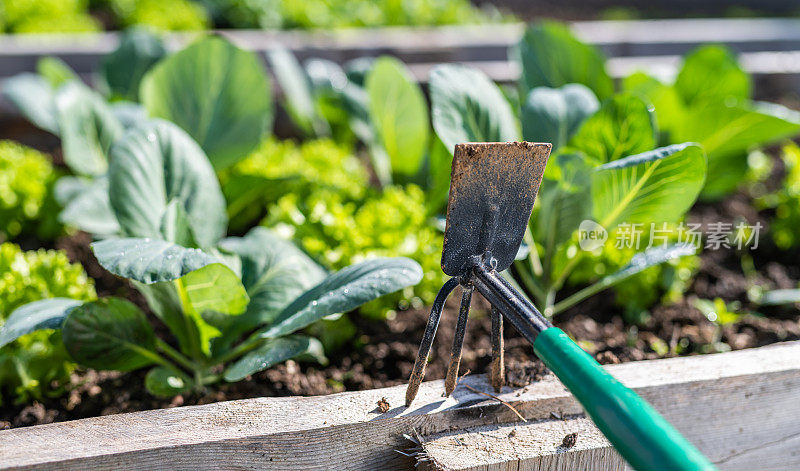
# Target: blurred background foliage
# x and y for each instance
(36, 365)
(27, 206)
(72, 16)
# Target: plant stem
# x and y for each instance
(530, 283)
(194, 347)
(562, 278)
(249, 344)
(158, 359)
(550, 297)
(577, 297)
(175, 355)
(533, 256)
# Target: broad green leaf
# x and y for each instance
(551, 56)
(215, 91)
(246, 196)
(399, 113)
(344, 291)
(655, 186)
(69, 187)
(644, 260)
(89, 209)
(165, 302)
(129, 114)
(33, 96)
(325, 75)
(55, 71)
(87, 126)
(670, 109)
(297, 91)
(468, 107)
(623, 126)
(38, 315)
(215, 288)
(122, 70)
(274, 271)
(109, 334)
(563, 201)
(270, 353)
(356, 102)
(775, 297)
(638, 263)
(554, 114)
(176, 227)
(149, 260)
(157, 163)
(358, 69)
(211, 297)
(441, 163)
(728, 131)
(165, 382)
(712, 73)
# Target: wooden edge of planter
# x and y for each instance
(348, 430)
(746, 417)
(536, 444)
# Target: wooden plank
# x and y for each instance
(468, 43)
(347, 431)
(536, 445)
(742, 421)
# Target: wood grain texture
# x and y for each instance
(740, 408)
(740, 417)
(536, 445)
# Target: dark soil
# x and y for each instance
(387, 349)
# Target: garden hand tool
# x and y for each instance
(492, 190)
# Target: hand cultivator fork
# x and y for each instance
(492, 190)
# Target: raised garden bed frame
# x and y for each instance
(740, 408)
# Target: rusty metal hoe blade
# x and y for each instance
(493, 187)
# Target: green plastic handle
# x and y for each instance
(639, 433)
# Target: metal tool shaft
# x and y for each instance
(519, 311)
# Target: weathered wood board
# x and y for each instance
(741, 408)
(535, 445)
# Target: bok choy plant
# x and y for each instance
(233, 305)
(604, 171)
(709, 101)
(382, 105)
(217, 93)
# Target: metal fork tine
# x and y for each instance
(418, 373)
(498, 372)
(458, 340)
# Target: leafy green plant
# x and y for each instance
(279, 167)
(338, 230)
(46, 16)
(36, 365)
(217, 93)
(286, 14)
(123, 69)
(552, 57)
(26, 185)
(785, 201)
(165, 15)
(708, 103)
(381, 104)
(216, 107)
(663, 283)
(604, 170)
(231, 304)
